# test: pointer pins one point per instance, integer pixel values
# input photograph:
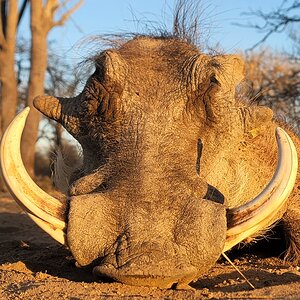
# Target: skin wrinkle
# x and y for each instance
(156, 98)
(189, 76)
(138, 135)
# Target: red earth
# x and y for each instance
(33, 266)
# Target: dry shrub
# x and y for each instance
(274, 80)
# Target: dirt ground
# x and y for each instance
(33, 266)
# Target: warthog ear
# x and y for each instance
(111, 70)
(99, 98)
(224, 73)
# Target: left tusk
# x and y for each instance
(46, 211)
(56, 233)
(263, 210)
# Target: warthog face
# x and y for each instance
(171, 160)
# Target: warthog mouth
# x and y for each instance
(51, 214)
(128, 276)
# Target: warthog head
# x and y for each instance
(175, 168)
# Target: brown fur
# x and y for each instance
(139, 119)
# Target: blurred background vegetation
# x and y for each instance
(30, 67)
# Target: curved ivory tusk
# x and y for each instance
(45, 210)
(57, 234)
(262, 211)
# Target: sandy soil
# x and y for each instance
(33, 266)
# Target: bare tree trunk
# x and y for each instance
(8, 92)
(42, 21)
(39, 55)
(2, 185)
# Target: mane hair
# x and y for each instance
(67, 160)
(191, 23)
(188, 23)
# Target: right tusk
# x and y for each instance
(48, 212)
(263, 210)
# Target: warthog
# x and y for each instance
(176, 169)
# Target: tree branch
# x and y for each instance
(4, 15)
(22, 9)
(11, 22)
(50, 7)
(264, 38)
(275, 21)
(2, 22)
(66, 16)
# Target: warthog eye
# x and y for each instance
(99, 72)
(214, 195)
(199, 154)
(214, 80)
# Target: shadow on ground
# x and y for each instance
(26, 250)
(21, 240)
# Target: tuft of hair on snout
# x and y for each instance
(67, 159)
